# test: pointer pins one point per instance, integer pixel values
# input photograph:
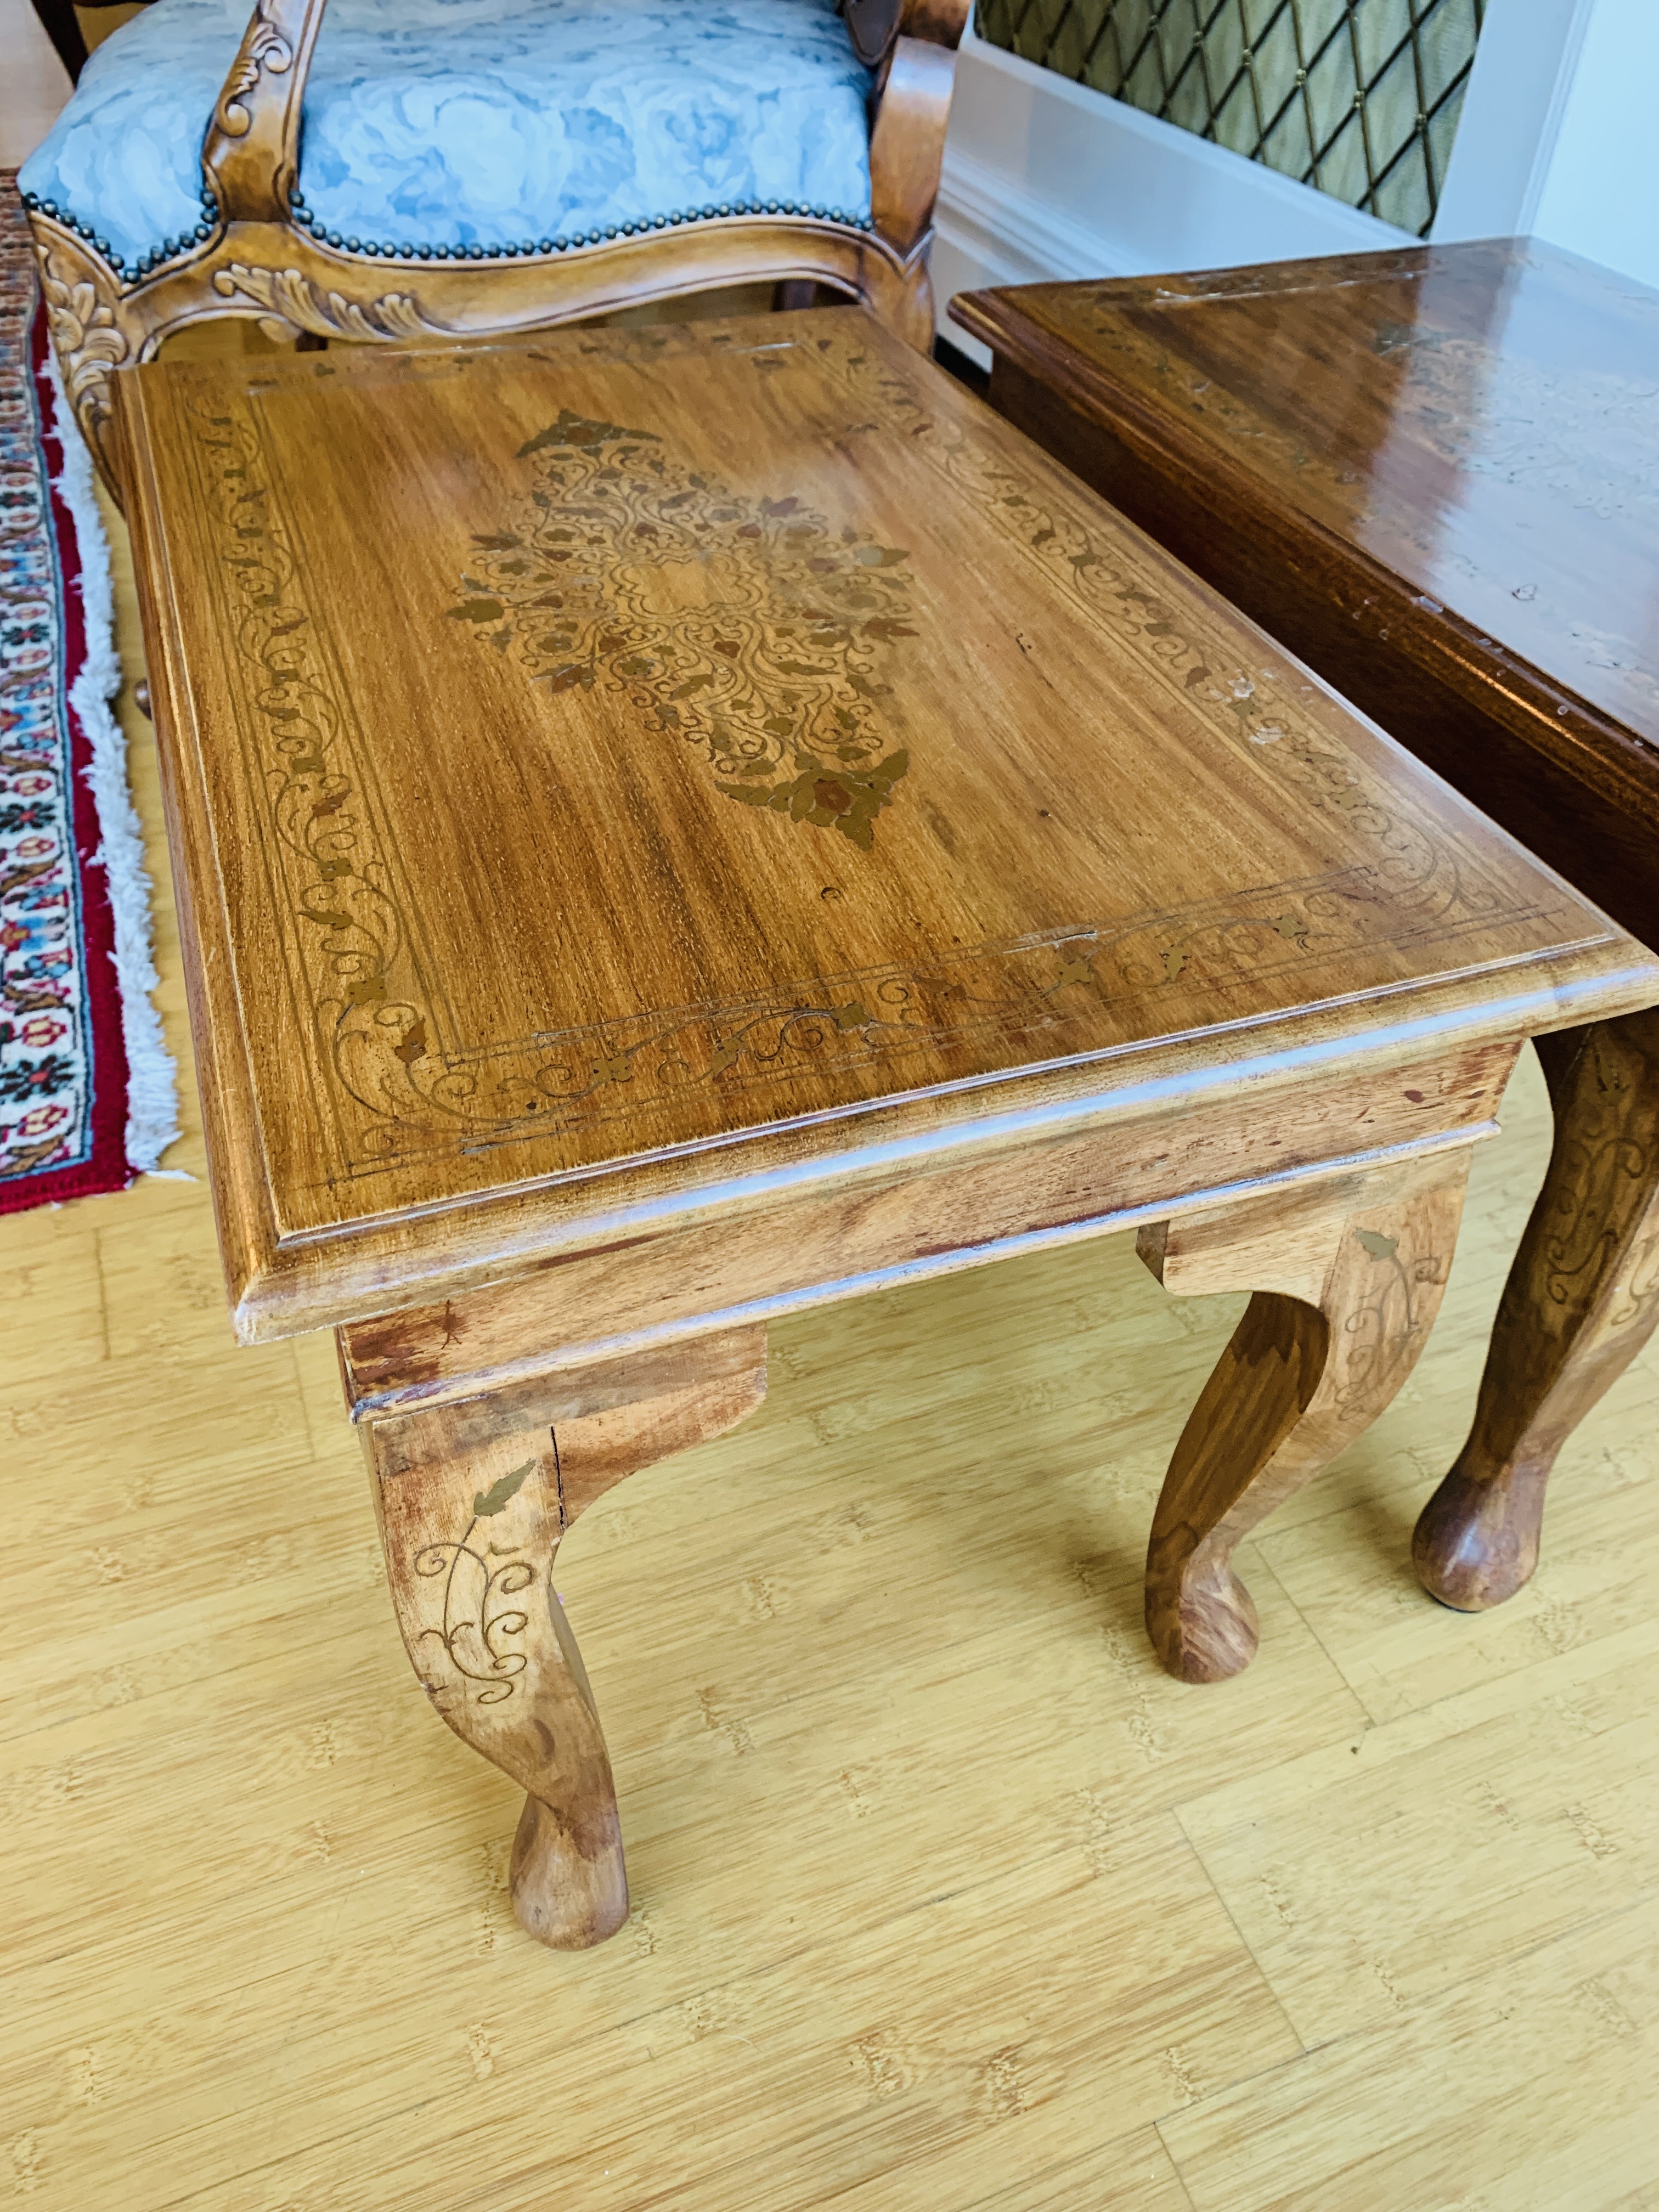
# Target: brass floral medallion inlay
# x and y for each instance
(754, 630)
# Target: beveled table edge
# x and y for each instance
(293, 1287)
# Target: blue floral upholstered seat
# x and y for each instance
(390, 171)
(455, 125)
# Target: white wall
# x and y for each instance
(1599, 195)
(1517, 92)
(1559, 135)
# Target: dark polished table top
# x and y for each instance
(1443, 459)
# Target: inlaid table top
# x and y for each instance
(618, 772)
(1438, 464)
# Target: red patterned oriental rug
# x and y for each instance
(87, 1093)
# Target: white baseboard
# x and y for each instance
(1045, 179)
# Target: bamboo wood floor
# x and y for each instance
(946, 1899)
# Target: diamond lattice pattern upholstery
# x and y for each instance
(1359, 98)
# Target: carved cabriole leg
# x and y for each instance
(473, 1499)
(1347, 1280)
(1582, 1299)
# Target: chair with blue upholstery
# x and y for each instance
(406, 169)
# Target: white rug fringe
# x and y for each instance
(152, 1079)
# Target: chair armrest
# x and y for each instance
(907, 141)
(873, 25)
(251, 156)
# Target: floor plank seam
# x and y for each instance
(1176, 2166)
(1386, 2024)
(1378, 1721)
(1244, 1946)
(1336, 1665)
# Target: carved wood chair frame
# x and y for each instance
(254, 254)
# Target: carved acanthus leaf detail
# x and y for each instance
(80, 314)
(263, 48)
(294, 303)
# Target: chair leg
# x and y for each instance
(61, 26)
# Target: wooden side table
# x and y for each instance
(676, 826)
(1434, 474)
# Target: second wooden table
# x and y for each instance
(1430, 473)
(674, 827)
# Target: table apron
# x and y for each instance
(717, 1271)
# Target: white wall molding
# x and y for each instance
(1025, 238)
(1045, 179)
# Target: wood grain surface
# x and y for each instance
(743, 753)
(1347, 1280)
(473, 1500)
(901, 1222)
(1429, 471)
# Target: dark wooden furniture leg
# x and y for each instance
(474, 1498)
(1347, 1281)
(58, 22)
(1581, 1301)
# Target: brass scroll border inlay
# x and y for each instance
(426, 1093)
